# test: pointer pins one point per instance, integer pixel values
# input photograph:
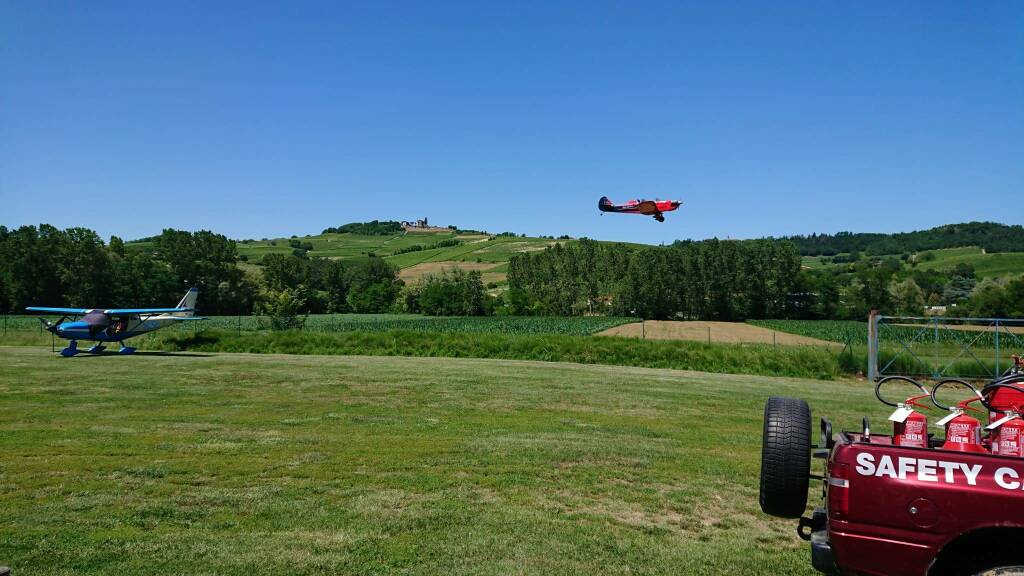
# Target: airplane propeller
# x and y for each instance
(51, 327)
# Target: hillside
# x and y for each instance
(416, 252)
(986, 264)
(991, 236)
(412, 251)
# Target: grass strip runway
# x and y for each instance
(241, 464)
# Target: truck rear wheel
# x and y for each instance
(785, 457)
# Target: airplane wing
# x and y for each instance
(189, 318)
(146, 310)
(58, 310)
(647, 207)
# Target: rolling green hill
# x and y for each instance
(487, 253)
(986, 265)
(417, 252)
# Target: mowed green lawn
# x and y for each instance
(264, 464)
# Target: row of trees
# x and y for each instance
(892, 287)
(991, 236)
(45, 266)
(717, 280)
(727, 280)
(326, 285)
(372, 228)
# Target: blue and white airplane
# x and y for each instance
(115, 325)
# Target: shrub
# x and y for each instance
(283, 308)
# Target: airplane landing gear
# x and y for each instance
(96, 349)
(659, 217)
(126, 349)
(71, 350)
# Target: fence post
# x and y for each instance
(239, 324)
(996, 375)
(873, 345)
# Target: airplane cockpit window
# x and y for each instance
(98, 319)
(117, 326)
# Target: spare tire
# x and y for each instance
(785, 457)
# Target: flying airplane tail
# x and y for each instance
(189, 301)
(604, 204)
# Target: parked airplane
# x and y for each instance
(115, 325)
(655, 208)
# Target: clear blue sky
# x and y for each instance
(267, 119)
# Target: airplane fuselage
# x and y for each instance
(114, 324)
(655, 208)
(120, 328)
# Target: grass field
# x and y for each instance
(545, 338)
(240, 464)
(795, 361)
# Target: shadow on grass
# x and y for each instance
(140, 353)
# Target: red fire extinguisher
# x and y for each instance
(1007, 432)
(909, 427)
(999, 399)
(963, 432)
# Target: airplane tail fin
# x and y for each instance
(604, 204)
(189, 301)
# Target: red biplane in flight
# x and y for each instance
(655, 208)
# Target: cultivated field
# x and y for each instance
(472, 247)
(263, 464)
(489, 271)
(699, 331)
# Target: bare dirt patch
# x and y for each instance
(699, 331)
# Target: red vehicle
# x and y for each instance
(655, 208)
(891, 506)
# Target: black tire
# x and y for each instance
(785, 457)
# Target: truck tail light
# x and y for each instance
(839, 489)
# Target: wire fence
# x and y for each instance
(939, 347)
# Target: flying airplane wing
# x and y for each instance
(58, 310)
(647, 207)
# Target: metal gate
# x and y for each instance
(939, 347)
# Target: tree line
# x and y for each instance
(740, 280)
(707, 280)
(46, 266)
(711, 280)
(991, 236)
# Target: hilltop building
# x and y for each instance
(421, 223)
